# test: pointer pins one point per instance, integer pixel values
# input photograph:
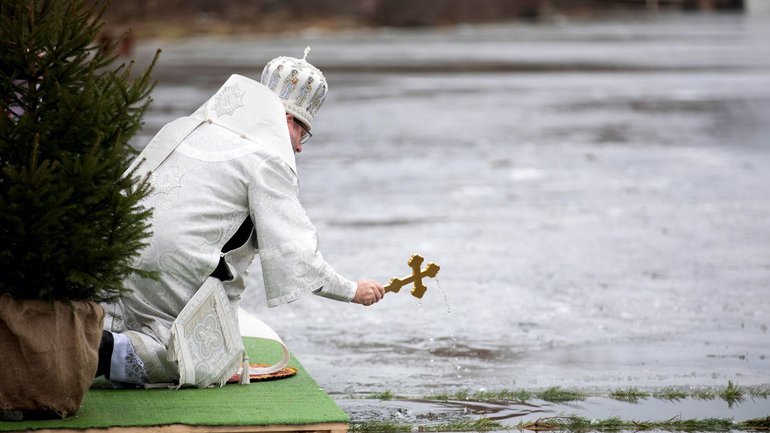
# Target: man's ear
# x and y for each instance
(289, 117)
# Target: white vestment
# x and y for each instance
(231, 159)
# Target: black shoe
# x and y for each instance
(105, 355)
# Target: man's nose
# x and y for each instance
(298, 148)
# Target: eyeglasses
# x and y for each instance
(305, 133)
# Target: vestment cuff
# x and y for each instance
(338, 289)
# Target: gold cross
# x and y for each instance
(415, 262)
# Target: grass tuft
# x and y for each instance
(385, 395)
(671, 394)
(506, 395)
(440, 397)
(732, 393)
(379, 427)
(759, 392)
(704, 394)
(463, 395)
(631, 394)
(757, 423)
(479, 425)
(575, 424)
(580, 424)
(555, 394)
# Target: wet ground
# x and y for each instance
(596, 193)
(431, 412)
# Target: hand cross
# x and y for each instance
(415, 262)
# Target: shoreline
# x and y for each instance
(271, 26)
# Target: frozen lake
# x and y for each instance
(597, 195)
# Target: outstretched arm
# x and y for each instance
(288, 244)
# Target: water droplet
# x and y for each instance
(449, 315)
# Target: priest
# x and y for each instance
(225, 190)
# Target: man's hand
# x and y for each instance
(368, 292)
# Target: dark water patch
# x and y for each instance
(465, 351)
(652, 105)
(497, 411)
(443, 347)
(438, 67)
(722, 114)
(408, 94)
(609, 133)
(210, 75)
(361, 223)
(201, 75)
(613, 133)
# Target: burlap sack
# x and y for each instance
(49, 354)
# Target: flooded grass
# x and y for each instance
(504, 395)
(671, 394)
(732, 393)
(757, 424)
(557, 395)
(759, 392)
(379, 427)
(554, 395)
(479, 425)
(580, 424)
(570, 424)
(558, 409)
(386, 395)
(704, 394)
(631, 395)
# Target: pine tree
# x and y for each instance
(70, 223)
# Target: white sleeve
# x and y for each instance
(338, 295)
(287, 241)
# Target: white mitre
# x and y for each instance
(301, 86)
(241, 105)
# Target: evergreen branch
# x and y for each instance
(70, 223)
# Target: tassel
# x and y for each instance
(245, 379)
(307, 50)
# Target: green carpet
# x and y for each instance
(292, 400)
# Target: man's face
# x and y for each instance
(296, 131)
